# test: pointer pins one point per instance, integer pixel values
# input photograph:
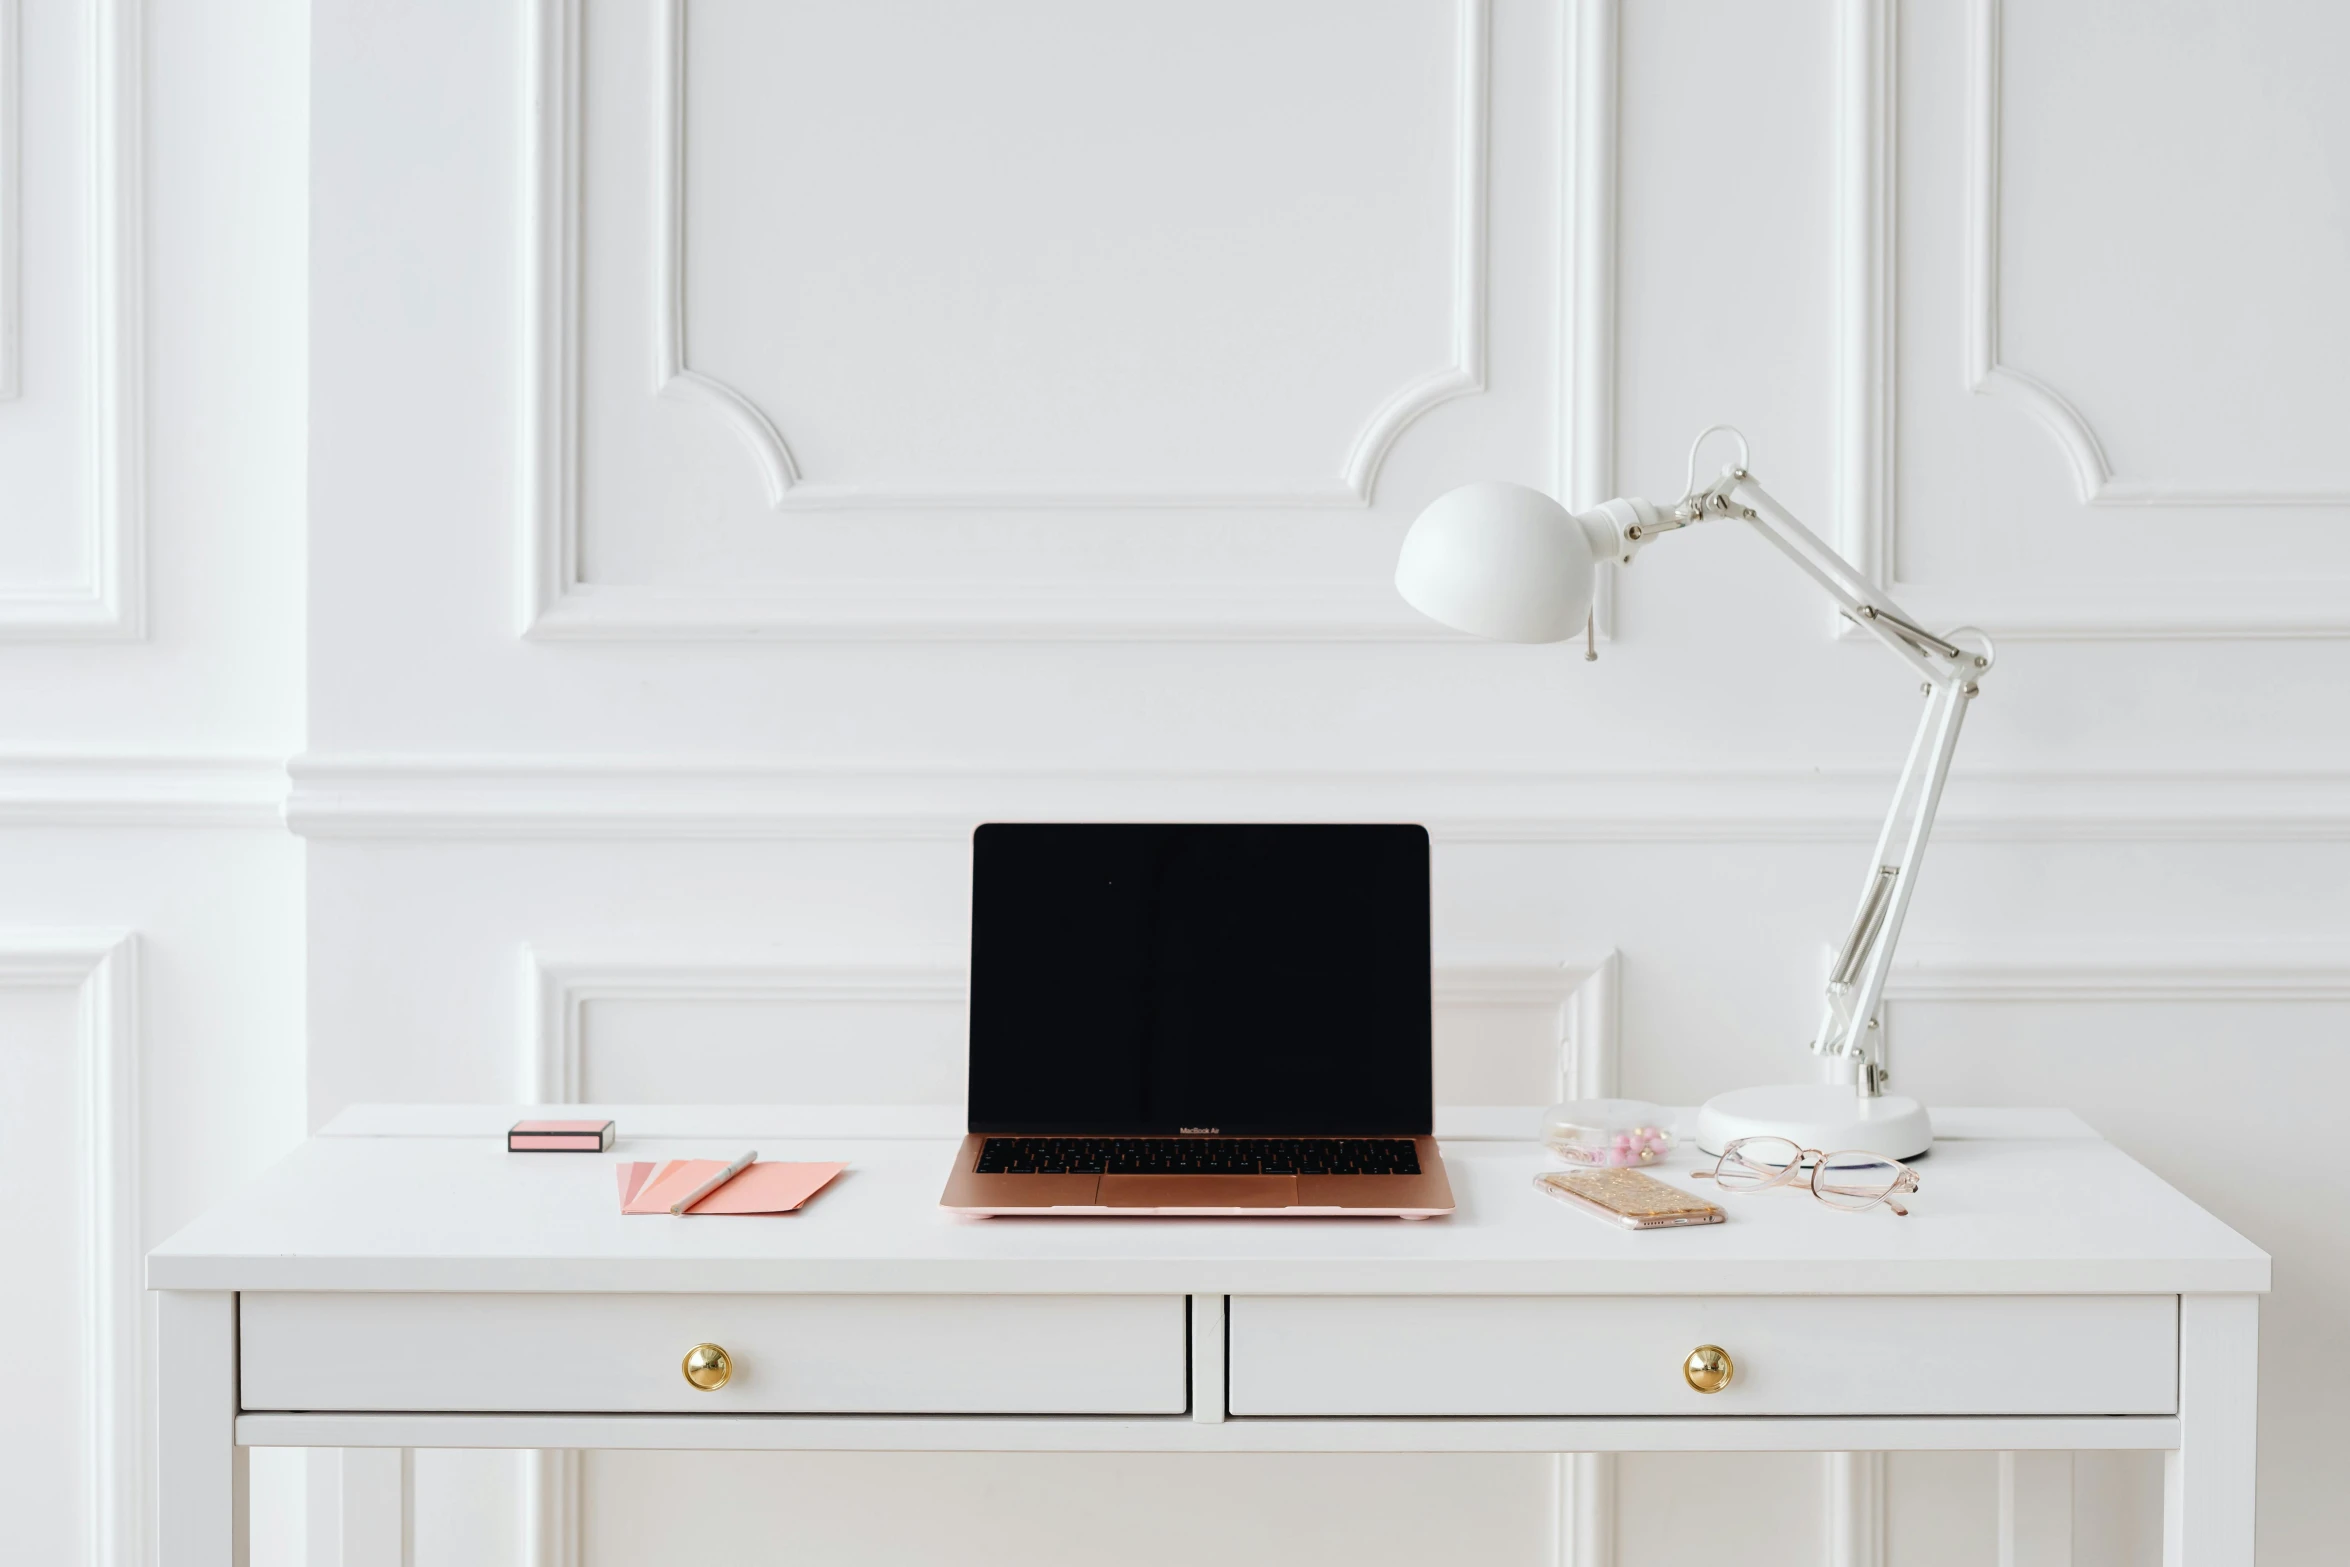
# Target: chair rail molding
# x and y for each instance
(120, 790)
(2269, 971)
(557, 602)
(586, 797)
(101, 967)
(1865, 526)
(2209, 972)
(109, 602)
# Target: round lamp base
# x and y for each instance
(1827, 1116)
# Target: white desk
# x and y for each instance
(402, 1281)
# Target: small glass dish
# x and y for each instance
(1607, 1132)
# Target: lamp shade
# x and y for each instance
(1500, 561)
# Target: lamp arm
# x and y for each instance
(1848, 1030)
(1856, 984)
(1940, 660)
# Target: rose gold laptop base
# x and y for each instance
(1427, 1195)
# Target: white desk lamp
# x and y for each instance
(1509, 563)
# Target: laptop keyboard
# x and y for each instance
(1199, 1156)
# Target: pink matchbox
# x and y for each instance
(559, 1137)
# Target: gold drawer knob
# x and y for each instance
(707, 1367)
(1708, 1368)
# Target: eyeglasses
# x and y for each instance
(1853, 1180)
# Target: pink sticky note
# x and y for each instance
(763, 1188)
(768, 1188)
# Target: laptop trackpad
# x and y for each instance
(1198, 1191)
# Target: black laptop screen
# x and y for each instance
(1243, 979)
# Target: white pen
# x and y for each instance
(714, 1182)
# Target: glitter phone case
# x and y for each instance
(1628, 1198)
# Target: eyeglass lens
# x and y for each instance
(1855, 1179)
(1757, 1161)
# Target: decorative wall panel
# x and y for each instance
(2077, 398)
(75, 1433)
(72, 549)
(1215, 264)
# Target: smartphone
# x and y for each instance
(1628, 1198)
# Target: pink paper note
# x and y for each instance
(632, 1180)
(763, 1188)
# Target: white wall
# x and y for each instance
(742, 451)
(152, 195)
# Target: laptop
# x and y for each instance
(1214, 1019)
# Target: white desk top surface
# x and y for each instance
(425, 1197)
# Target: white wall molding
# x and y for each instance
(787, 487)
(109, 602)
(557, 603)
(547, 469)
(1585, 1004)
(579, 797)
(2093, 474)
(96, 790)
(1867, 460)
(11, 197)
(2280, 609)
(1592, 1051)
(557, 990)
(942, 610)
(102, 968)
(1867, 154)
(1590, 141)
(2151, 971)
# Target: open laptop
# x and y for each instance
(1220, 1019)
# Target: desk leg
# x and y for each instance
(2207, 1483)
(199, 1469)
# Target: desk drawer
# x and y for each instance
(839, 1354)
(1822, 1355)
